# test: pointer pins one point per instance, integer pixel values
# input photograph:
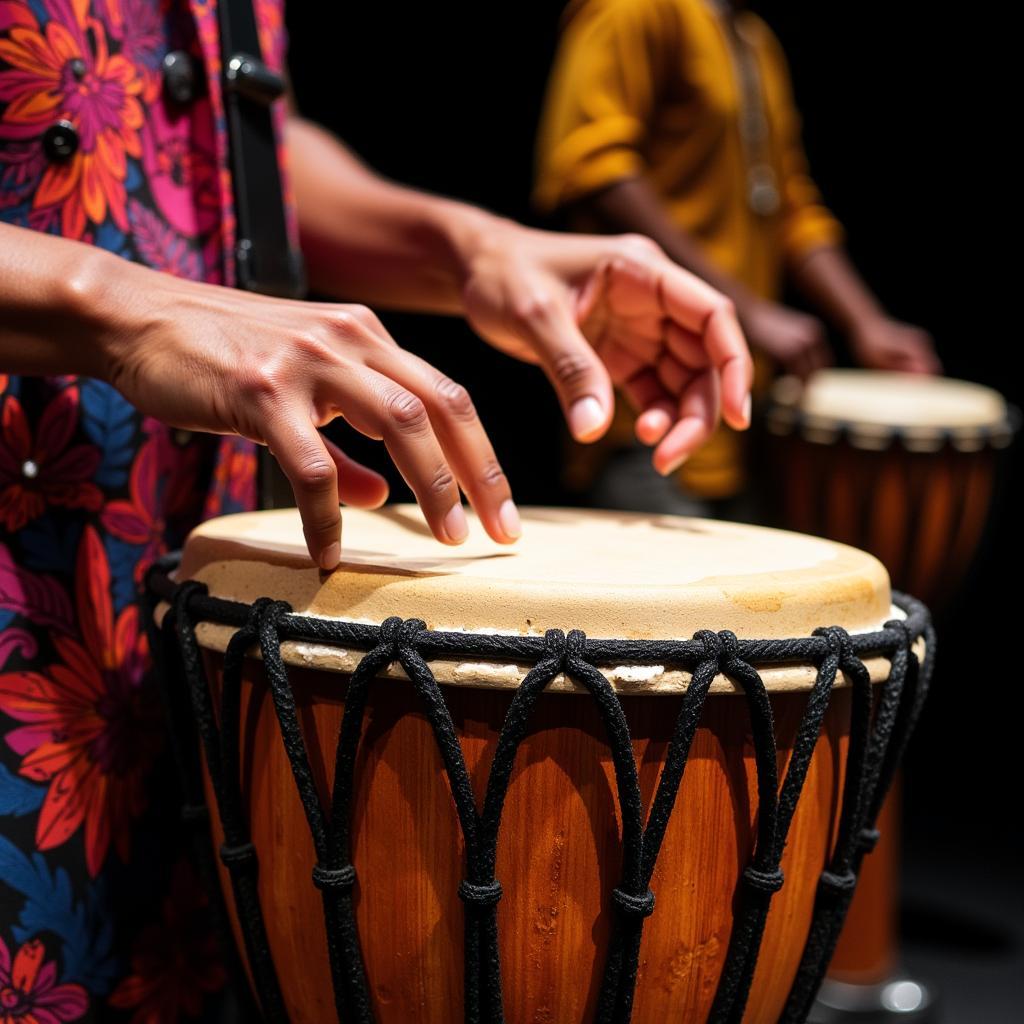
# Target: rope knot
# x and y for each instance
(480, 896)
(574, 643)
(838, 882)
(243, 853)
(839, 642)
(867, 839)
(399, 633)
(634, 906)
(728, 657)
(763, 881)
(710, 644)
(556, 645)
(342, 878)
(900, 626)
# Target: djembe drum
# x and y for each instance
(905, 467)
(900, 465)
(432, 804)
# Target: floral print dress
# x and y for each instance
(100, 917)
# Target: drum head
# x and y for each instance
(610, 574)
(872, 407)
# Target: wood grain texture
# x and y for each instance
(559, 851)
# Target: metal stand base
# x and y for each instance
(898, 999)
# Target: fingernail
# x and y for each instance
(455, 526)
(508, 516)
(747, 409)
(585, 417)
(673, 466)
(330, 557)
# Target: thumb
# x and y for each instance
(571, 364)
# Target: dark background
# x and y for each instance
(909, 129)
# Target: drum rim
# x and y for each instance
(783, 419)
(512, 654)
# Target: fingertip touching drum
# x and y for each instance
(625, 771)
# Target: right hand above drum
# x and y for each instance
(201, 357)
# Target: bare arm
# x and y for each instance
(224, 361)
(591, 310)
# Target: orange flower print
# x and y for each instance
(63, 70)
(29, 993)
(87, 728)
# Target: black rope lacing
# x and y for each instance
(877, 740)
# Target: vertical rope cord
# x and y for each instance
(838, 880)
(237, 852)
(762, 878)
(351, 996)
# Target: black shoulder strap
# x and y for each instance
(266, 262)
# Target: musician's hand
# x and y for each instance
(886, 344)
(225, 361)
(599, 311)
(794, 340)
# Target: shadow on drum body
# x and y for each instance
(559, 851)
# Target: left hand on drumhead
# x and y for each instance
(886, 344)
(597, 311)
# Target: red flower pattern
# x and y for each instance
(87, 729)
(46, 470)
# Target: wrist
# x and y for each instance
(471, 235)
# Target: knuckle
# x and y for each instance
(441, 482)
(492, 475)
(408, 412)
(316, 474)
(570, 370)
(455, 399)
(534, 307)
(260, 384)
(637, 246)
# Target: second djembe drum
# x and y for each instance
(625, 770)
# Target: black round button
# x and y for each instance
(60, 141)
(183, 80)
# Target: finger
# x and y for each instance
(573, 367)
(300, 450)
(706, 312)
(380, 407)
(463, 439)
(655, 406)
(698, 414)
(686, 346)
(358, 485)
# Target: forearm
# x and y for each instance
(50, 309)
(369, 240)
(632, 205)
(829, 280)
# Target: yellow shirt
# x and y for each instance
(652, 88)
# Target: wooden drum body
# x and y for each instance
(902, 466)
(560, 847)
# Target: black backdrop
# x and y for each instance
(908, 127)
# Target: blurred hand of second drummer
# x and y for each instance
(886, 344)
(594, 312)
(796, 341)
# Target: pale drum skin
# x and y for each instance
(921, 507)
(559, 849)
